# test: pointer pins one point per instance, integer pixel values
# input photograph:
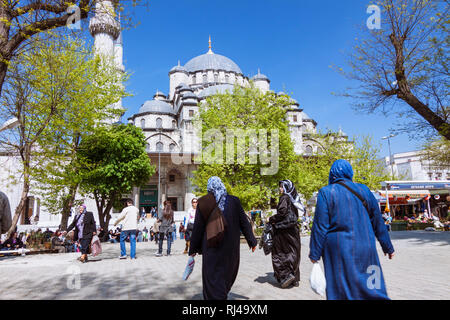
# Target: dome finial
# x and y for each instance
(210, 51)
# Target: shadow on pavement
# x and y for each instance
(441, 238)
(268, 278)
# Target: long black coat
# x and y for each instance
(286, 242)
(220, 265)
(88, 226)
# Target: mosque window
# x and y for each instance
(191, 113)
(172, 147)
(295, 118)
(205, 78)
(172, 178)
(142, 123)
(216, 77)
(147, 147)
(174, 124)
(308, 150)
(194, 79)
(159, 123)
(159, 146)
(227, 78)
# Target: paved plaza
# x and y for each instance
(419, 270)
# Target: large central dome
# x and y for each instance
(211, 61)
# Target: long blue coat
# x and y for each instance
(344, 233)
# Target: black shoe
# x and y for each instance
(296, 284)
(286, 283)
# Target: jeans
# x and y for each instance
(123, 236)
(161, 240)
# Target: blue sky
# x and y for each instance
(293, 42)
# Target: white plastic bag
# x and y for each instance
(189, 268)
(317, 280)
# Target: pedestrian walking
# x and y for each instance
(84, 224)
(166, 228)
(190, 223)
(286, 236)
(5, 213)
(218, 224)
(129, 217)
(156, 230)
(347, 221)
(181, 230)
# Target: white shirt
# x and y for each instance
(130, 216)
(191, 216)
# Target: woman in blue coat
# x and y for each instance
(344, 233)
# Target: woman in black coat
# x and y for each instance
(85, 229)
(286, 237)
(221, 261)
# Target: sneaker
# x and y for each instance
(286, 283)
(122, 257)
(158, 254)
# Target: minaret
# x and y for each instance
(107, 38)
(104, 28)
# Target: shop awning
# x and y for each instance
(400, 196)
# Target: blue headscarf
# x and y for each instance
(341, 169)
(216, 186)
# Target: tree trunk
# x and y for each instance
(68, 203)
(20, 208)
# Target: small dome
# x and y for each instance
(189, 95)
(156, 106)
(305, 116)
(178, 69)
(210, 91)
(259, 77)
(183, 87)
(159, 96)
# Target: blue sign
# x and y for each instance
(419, 186)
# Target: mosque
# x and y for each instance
(166, 119)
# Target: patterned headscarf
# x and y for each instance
(289, 189)
(216, 186)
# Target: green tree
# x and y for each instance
(45, 88)
(401, 69)
(249, 169)
(20, 20)
(111, 161)
(91, 103)
(362, 154)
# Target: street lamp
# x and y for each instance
(159, 129)
(10, 124)
(390, 154)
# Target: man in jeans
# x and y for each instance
(130, 216)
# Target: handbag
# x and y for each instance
(96, 247)
(266, 242)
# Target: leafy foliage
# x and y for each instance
(250, 110)
(111, 161)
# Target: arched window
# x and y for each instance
(147, 147)
(308, 150)
(216, 77)
(227, 78)
(174, 124)
(194, 79)
(142, 123)
(159, 123)
(205, 78)
(159, 146)
(172, 147)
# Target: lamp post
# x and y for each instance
(159, 129)
(10, 124)
(390, 154)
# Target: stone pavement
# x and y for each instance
(419, 270)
